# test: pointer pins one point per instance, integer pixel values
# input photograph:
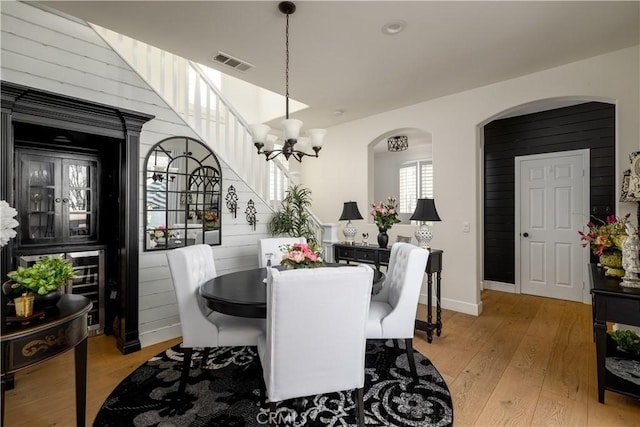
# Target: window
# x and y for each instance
(277, 177)
(412, 188)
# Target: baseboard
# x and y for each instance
(500, 286)
(160, 335)
(454, 305)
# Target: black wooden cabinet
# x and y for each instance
(57, 197)
(613, 303)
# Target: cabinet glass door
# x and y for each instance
(57, 198)
(41, 201)
(80, 200)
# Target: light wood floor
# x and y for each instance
(526, 361)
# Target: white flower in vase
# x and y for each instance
(7, 223)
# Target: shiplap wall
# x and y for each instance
(589, 125)
(54, 53)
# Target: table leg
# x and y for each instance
(2, 408)
(438, 308)
(429, 302)
(601, 355)
(80, 354)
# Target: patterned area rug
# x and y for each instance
(224, 391)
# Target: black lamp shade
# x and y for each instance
(350, 211)
(425, 211)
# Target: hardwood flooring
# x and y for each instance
(526, 361)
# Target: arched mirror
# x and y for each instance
(401, 165)
(183, 186)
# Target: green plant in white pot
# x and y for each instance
(45, 276)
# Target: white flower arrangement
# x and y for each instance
(7, 223)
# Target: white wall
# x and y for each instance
(52, 53)
(454, 122)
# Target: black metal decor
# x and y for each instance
(232, 200)
(250, 214)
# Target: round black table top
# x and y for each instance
(244, 293)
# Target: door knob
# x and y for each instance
(525, 234)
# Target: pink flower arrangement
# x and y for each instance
(385, 213)
(160, 232)
(608, 236)
(301, 255)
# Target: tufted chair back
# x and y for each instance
(315, 337)
(401, 290)
(272, 246)
(392, 313)
(190, 267)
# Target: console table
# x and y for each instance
(612, 303)
(63, 328)
(379, 257)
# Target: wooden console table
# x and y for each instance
(379, 257)
(612, 303)
(63, 328)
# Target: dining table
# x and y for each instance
(244, 293)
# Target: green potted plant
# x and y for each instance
(293, 218)
(43, 279)
(627, 341)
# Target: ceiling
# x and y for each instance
(341, 60)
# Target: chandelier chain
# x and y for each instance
(286, 68)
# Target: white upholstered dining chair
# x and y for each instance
(272, 246)
(190, 267)
(392, 314)
(315, 336)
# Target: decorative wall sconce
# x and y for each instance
(232, 200)
(250, 214)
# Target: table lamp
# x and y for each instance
(628, 195)
(425, 211)
(350, 211)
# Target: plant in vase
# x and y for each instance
(385, 214)
(605, 239)
(161, 234)
(208, 217)
(43, 279)
(627, 341)
(293, 217)
(302, 255)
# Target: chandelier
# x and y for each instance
(398, 143)
(293, 144)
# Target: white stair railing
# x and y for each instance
(189, 89)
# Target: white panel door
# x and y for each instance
(552, 204)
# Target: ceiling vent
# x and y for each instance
(230, 61)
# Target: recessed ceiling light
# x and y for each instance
(394, 27)
(338, 112)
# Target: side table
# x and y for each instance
(65, 327)
(613, 303)
(380, 256)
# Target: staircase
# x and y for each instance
(189, 89)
